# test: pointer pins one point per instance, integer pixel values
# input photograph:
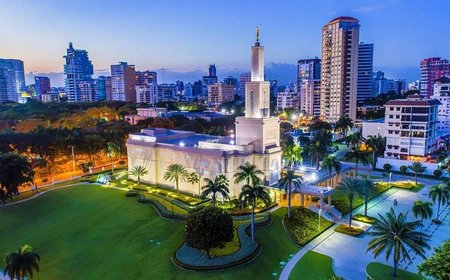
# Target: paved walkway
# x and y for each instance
(349, 253)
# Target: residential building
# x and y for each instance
(78, 70)
(219, 93)
(308, 69)
(243, 79)
(415, 85)
(310, 97)
(289, 98)
(167, 92)
(188, 90)
(339, 68)
(365, 73)
(210, 79)
(42, 85)
(147, 94)
(432, 69)
(108, 88)
(231, 81)
(145, 113)
(3, 87)
(13, 73)
(442, 93)
(146, 77)
(100, 88)
(384, 85)
(197, 88)
(86, 90)
(123, 82)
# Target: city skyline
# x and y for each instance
(154, 38)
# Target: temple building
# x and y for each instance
(257, 140)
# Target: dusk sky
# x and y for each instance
(185, 36)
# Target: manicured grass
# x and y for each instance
(303, 226)
(340, 199)
(364, 219)
(313, 266)
(378, 271)
(353, 231)
(89, 232)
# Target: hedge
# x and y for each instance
(161, 209)
(353, 231)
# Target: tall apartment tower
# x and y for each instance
(78, 70)
(339, 73)
(123, 82)
(432, 69)
(42, 85)
(210, 79)
(13, 76)
(365, 73)
(308, 69)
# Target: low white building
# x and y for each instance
(145, 113)
(373, 128)
(289, 98)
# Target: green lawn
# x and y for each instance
(89, 232)
(378, 271)
(313, 266)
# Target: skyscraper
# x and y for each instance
(78, 70)
(243, 78)
(100, 88)
(146, 77)
(365, 72)
(210, 79)
(308, 69)
(14, 78)
(432, 69)
(339, 73)
(42, 85)
(123, 82)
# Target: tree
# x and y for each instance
(15, 170)
(423, 210)
(249, 196)
(387, 168)
(351, 187)
(394, 235)
(376, 144)
(208, 228)
(403, 169)
(437, 173)
(288, 181)
(417, 168)
(248, 173)
(331, 163)
(317, 152)
(366, 185)
(138, 171)
(354, 140)
(219, 185)
(175, 173)
(92, 145)
(112, 150)
(437, 265)
(193, 178)
(441, 195)
(22, 263)
(343, 124)
(358, 156)
(292, 155)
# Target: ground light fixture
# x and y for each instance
(182, 144)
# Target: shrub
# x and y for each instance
(353, 231)
(131, 193)
(45, 180)
(364, 219)
(436, 265)
(122, 162)
(387, 167)
(403, 169)
(437, 173)
(209, 228)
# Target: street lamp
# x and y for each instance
(390, 178)
(320, 214)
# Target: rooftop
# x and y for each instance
(344, 18)
(413, 100)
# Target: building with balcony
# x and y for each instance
(432, 69)
(219, 93)
(78, 70)
(442, 93)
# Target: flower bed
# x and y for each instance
(353, 231)
(364, 219)
(303, 226)
(161, 209)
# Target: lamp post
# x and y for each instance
(390, 178)
(320, 214)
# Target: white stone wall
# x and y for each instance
(396, 163)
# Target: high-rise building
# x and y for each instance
(243, 78)
(230, 81)
(146, 77)
(210, 79)
(86, 90)
(123, 82)
(442, 93)
(365, 73)
(381, 85)
(167, 92)
(310, 97)
(13, 73)
(188, 90)
(289, 98)
(3, 87)
(197, 88)
(339, 73)
(308, 69)
(220, 93)
(100, 88)
(78, 69)
(432, 69)
(42, 85)
(147, 94)
(108, 88)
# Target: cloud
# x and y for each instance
(369, 8)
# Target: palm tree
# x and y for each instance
(351, 187)
(193, 178)
(366, 185)
(358, 156)
(292, 154)
(112, 150)
(219, 185)
(22, 263)
(354, 140)
(138, 171)
(331, 163)
(317, 152)
(343, 125)
(394, 235)
(249, 173)
(175, 173)
(441, 194)
(249, 196)
(417, 168)
(287, 181)
(376, 144)
(423, 210)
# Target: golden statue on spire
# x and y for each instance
(257, 33)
